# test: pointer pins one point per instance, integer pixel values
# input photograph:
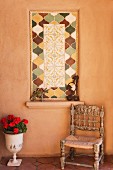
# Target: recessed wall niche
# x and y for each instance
(54, 51)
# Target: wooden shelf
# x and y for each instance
(51, 104)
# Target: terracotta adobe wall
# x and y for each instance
(46, 127)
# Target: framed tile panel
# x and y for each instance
(54, 51)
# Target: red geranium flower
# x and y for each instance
(12, 124)
(15, 130)
(17, 120)
(3, 120)
(25, 121)
(5, 125)
(10, 117)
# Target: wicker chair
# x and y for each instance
(85, 118)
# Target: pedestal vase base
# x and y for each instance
(12, 163)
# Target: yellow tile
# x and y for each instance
(54, 22)
(50, 93)
(66, 34)
(68, 81)
(59, 92)
(73, 56)
(75, 14)
(37, 18)
(41, 45)
(41, 76)
(38, 61)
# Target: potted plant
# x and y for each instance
(39, 93)
(13, 128)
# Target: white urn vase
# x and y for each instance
(14, 144)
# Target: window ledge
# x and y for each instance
(51, 104)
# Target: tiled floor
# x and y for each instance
(52, 164)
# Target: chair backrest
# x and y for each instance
(88, 118)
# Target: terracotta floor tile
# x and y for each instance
(69, 167)
(27, 167)
(83, 168)
(28, 160)
(57, 162)
(53, 163)
(36, 164)
(57, 166)
(4, 167)
(46, 167)
(109, 158)
(4, 160)
(106, 166)
(46, 160)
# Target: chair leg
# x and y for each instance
(96, 151)
(102, 154)
(62, 159)
(72, 153)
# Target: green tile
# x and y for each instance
(53, 96)
(41, 56)
(70, 50)
(34, 45)
(34, 76)
(33, 23)
(64, 14)
(63, 96)
(34, 86)
(62, 88)
(37, 71)
(33, 14)
(59, 18)
(41, 35)
(70, 29)
(73, 66)
(66, 66)
(74, 45)
(67, 76)
(73, 24)
(49, 18)
(37, 50)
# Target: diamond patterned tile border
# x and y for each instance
(53, 50)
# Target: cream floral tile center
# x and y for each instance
(54, 55)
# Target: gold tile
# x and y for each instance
(68, 81)
(38, 61)
(37, 18)
(59, 92)
(50, 93)
(41, 45)
(66, 34)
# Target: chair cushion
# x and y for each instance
(83, 142)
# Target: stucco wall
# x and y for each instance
(47, 127)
